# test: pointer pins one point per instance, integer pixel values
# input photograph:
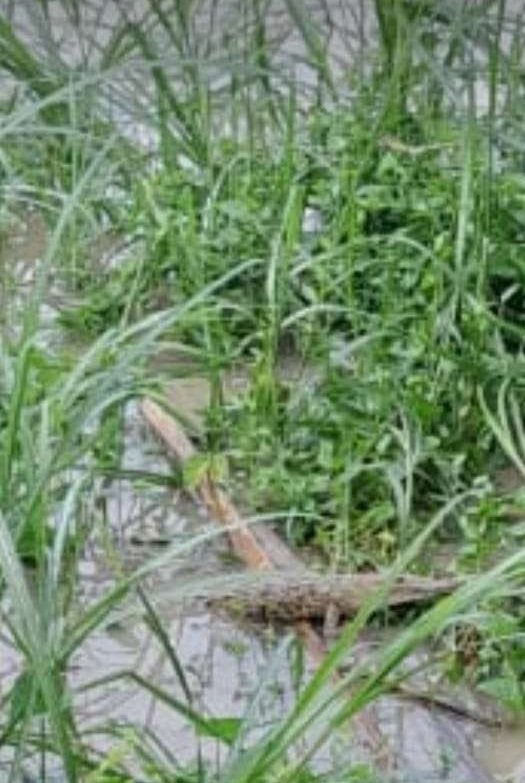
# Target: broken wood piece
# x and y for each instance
(289, 597)
(219, 507)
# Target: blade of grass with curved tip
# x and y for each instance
(501, 427)
(316, 309)
(16, 400)
(154, 622)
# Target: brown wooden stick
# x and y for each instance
(243, 541)
(291, 596)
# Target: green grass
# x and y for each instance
(403, 304)
(394, 302)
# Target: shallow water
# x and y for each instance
(502, 752)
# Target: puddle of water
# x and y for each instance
(222, 665)
(502, 752)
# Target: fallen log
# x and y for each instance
(291, 597)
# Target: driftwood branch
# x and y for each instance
(289, 597)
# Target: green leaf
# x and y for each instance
(202, 465)
(225, 729)
(506, 690)
(25, 695)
